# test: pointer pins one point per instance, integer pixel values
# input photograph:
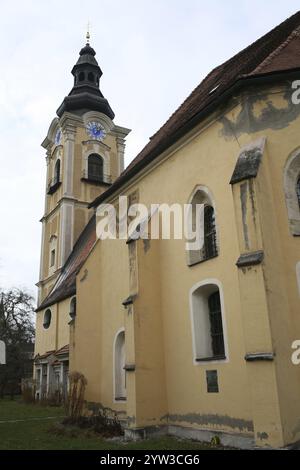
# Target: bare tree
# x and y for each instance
(17, 331)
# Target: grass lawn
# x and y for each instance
(27, 427)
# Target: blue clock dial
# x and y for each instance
(57, 139)
(95, 130)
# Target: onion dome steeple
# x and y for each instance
(85, 94)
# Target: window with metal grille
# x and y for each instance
(212, 381)
(216, 326)
(210, 238)
(95, 167)
(298, 190)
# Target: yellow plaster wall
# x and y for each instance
(100, 315)
(58, 333)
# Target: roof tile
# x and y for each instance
(65, 285)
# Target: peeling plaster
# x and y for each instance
(243, 197)
(270, 117)
(212, 420)
(252, 199)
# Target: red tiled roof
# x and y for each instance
(277, 51)
(63, 350)
(65, 285)
(60, 352)
(43, 356)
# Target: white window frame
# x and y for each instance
(52, 246)
(195, 287)
(291, 176)
(208, 199)
(72, 301)
(57, 155)
(51, 318)
(54, 170)
(115, 395)
(98, 148)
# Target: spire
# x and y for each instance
(85, 94)
(88, 36)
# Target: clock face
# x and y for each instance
(57, 139)
(95, 130)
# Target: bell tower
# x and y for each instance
(84, 155)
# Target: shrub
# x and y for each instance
(52, 398)
(106, 423)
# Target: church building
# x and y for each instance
(197, 343)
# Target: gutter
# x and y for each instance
(240, 83)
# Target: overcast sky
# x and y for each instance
(152, 54)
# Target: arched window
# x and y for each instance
(73, 308)
(57, 172)
(216, 326)
(52, 253)
(202, 197)
(119, 367)
(91, 77)
(210, 242)
(292, 192)
(207, 323)
(52, 258)
(81, 77)
(47, 319)
(95, 167)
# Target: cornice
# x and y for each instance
(42, 282)
(49, 139)
(72, 120)
(119, 131)
(57, 147)
(60, 203)
(98, 142)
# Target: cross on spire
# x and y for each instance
(88, 35)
